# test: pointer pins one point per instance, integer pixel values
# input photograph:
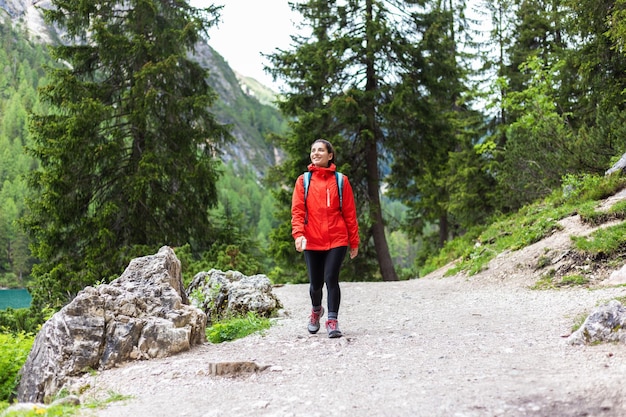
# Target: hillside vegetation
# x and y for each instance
(593, 257)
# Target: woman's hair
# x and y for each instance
(329, 149)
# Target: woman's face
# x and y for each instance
(319, 155)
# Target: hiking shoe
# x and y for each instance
(333, 329)
(314, 321)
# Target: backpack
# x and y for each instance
(307, 181)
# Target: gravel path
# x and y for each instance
(429, 347)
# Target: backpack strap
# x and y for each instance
(339, 179)
(307, 181)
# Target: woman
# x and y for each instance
(324, 226)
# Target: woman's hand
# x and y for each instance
(300, 243)
(354, 252)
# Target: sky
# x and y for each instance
(249, 28)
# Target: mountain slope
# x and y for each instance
(548, 261)
(250, 113)
(250, 119)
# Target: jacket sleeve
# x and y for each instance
(297, 208)
(349, 214)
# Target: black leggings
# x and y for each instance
(324, 266)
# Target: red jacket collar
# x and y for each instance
(331, 169)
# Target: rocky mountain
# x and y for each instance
(241, 107)
(244, 103)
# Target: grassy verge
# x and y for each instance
(237, 327)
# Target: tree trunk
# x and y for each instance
(385, 262)
(443, 229)
(373, 135)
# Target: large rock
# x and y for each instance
(143, 314)
(605, 324)
(225, 294)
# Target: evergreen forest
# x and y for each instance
(445, 116)
(243, 215)
(461, 111)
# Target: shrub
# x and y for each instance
(236, 328)
(27, 320)
(588, 187)
(14, 349)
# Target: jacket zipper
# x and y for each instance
(327, 197)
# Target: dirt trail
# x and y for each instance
(428, 347)
(434, 347)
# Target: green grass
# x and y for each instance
(237, 327)
(574, 280)
(546, 281)
(513, 232)
(111, 398)
(603, 242)
(589, 214)
(579, 321)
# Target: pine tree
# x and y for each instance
(436, 170)
(597, 62)
(529, 32)
(339, 78)
(564, 89)
(127, 154)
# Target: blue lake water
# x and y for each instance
(19, 298)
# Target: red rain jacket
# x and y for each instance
(328, 226)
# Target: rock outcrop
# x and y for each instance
(223, 294)
(143, 314)
(605, 324)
